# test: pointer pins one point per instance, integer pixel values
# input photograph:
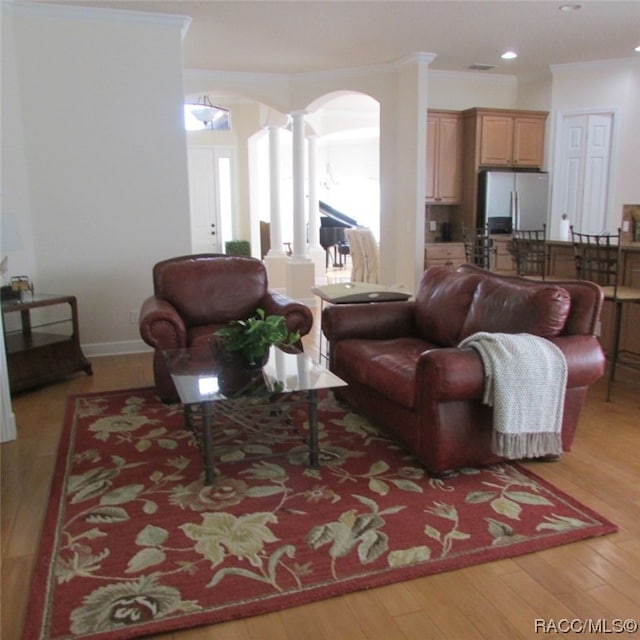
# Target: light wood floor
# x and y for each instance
(596, 579)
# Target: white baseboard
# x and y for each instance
(122, 347)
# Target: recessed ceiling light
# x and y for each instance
(576, 6)
(509, 55)
(637, 48)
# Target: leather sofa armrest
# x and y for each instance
(458, 374)
(585, 359)
(369, 321)
(450, 374)
(297, 315)
(161, 326)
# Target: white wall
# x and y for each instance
(14, 199)
(611, 85)
(464, 90)
(104, 181)
(534, 92)
(354, 184)
(99, 171)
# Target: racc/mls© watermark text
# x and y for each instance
(586, 626)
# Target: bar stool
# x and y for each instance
(530, 252)
(478, 246)
(599, 259)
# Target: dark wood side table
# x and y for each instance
(42, 349)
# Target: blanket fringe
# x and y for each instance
(527, 445)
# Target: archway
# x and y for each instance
(346, 127)
(348, 149)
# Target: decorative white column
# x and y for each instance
(314, 212)
(276, 259)
(316, 252)
(299, 217)
(300, 270)
(275, 227)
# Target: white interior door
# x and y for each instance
(211, 197)
(596, 179)
(581, 184)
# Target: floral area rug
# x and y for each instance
(134, 544)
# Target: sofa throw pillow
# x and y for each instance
(442, 303)
(512, 307)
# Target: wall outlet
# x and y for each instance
(433, 225)
(134, 316)
(625, 226)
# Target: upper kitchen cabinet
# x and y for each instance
(503, 138)
(444, 157)
(496, 138)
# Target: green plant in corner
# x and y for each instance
(237, 248)
(253, 337)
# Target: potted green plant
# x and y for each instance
(237, 248)
(251, 338)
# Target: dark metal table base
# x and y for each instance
(268, 415)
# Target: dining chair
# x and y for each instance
(529, 248)
(598, 258)
(363, 248)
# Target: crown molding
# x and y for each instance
(594, 64)
(421, 57)
(94, 14)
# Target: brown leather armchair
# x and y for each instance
(404, 368)
(195, 295)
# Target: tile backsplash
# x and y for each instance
(440, 215)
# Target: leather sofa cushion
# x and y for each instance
(388, 366)
(206, 291)
(201, 336)
(442, 304)
(512, 307)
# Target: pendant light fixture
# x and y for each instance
(203, 114)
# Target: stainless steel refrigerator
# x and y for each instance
(510, 200)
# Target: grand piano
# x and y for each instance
(332, 236)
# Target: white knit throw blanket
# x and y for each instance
(525, 381)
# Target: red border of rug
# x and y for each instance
(41, 572)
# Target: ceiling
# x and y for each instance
(307, 35)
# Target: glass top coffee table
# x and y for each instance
(211, 388)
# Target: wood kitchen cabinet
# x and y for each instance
(444, 157)
(510, 139)
(496, 138)
(444, 254)
(502, 259)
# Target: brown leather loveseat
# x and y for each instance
(405, 371)
(195, 295)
